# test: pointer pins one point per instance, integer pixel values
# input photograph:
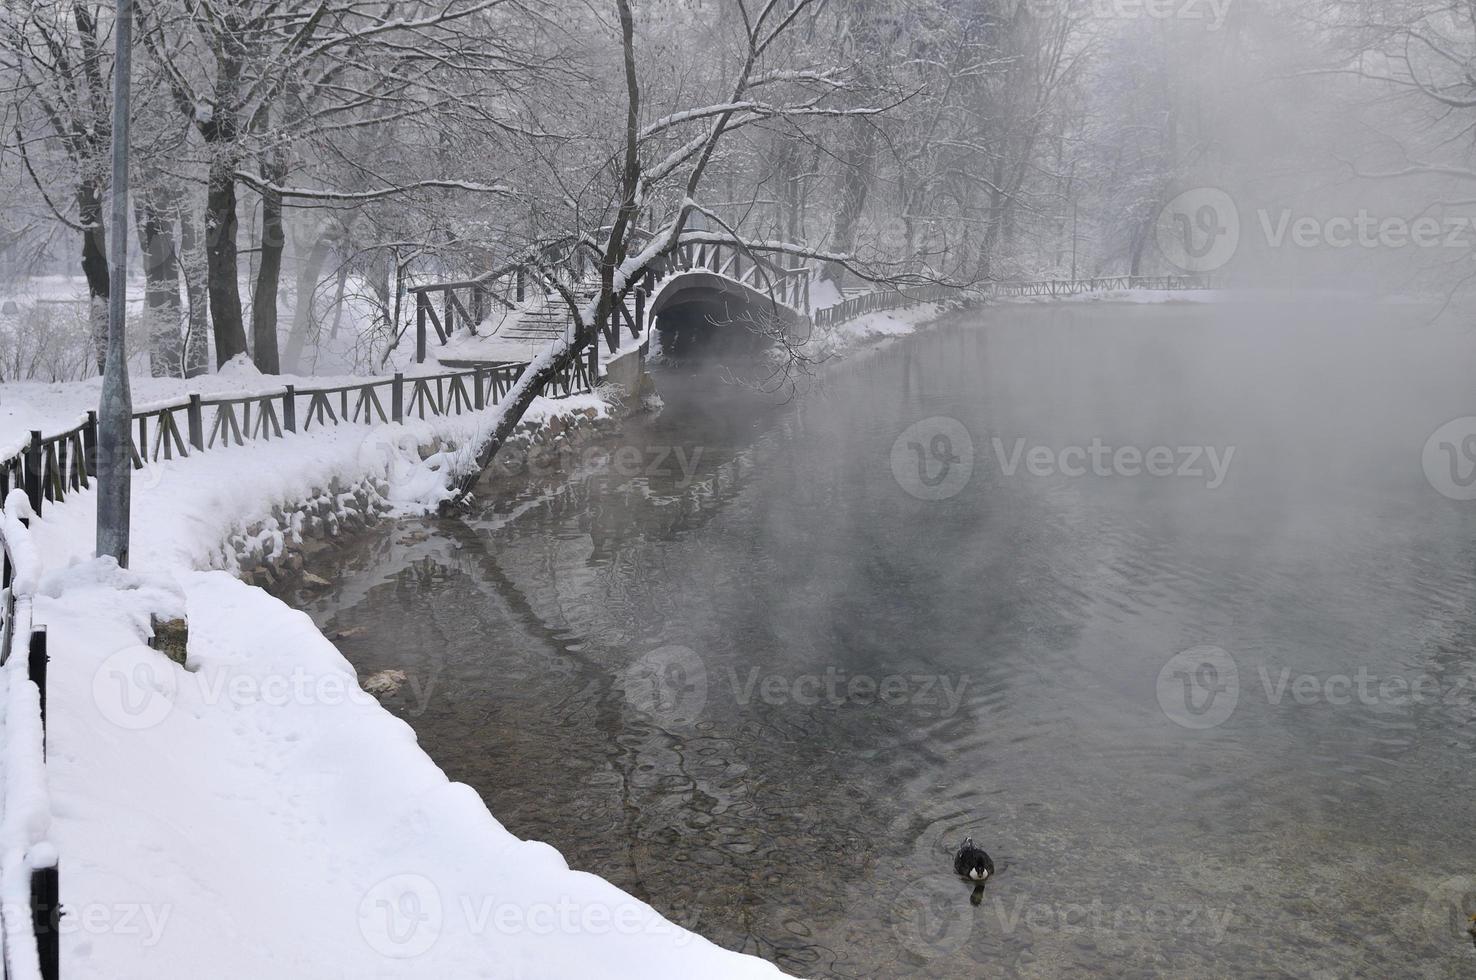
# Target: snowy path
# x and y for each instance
(258, 815)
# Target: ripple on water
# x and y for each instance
(1292, 839)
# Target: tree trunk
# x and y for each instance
(161, 295)
(192, 269)
(268, 274)
(338, 301)
(95, 267)
(221, 226)
(855, 186)
(220, 263)
(302, 318)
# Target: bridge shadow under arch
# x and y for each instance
(700, 313)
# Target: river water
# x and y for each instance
(763, 665)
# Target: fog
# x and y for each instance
(894, 488)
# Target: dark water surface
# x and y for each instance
(770, 692)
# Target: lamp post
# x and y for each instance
(115, 409)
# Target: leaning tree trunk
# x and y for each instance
(268, 274)
(95, 267)
(161, 294)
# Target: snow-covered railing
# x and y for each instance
(30, 908)
(1099, 284)
(891, 298)
(48, 468)
(439, 307)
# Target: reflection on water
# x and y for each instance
(768, 684)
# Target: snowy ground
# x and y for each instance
(259, 816)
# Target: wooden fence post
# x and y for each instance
(195, 419)
(33, 471)
(89, 442)
(640, 321)
(45, 920)
(289, 409)
(397, 397)
(36, 661)
(477, 397)
(420, 328)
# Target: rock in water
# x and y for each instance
(383, 683)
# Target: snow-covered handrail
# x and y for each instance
(48, 468)
(29, 902)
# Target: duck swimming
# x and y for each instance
(972, 862)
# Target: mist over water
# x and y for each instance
(1210, 718)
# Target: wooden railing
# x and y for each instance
(48, 468)
(1100, 284)
(439, 307)
(884, 299)
(31, 942)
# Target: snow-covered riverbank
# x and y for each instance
(258, 815)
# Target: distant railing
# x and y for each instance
(48, 468)
(1100, 284)
(30, 937)
(892, 298)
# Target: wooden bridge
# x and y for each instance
(519, 302)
